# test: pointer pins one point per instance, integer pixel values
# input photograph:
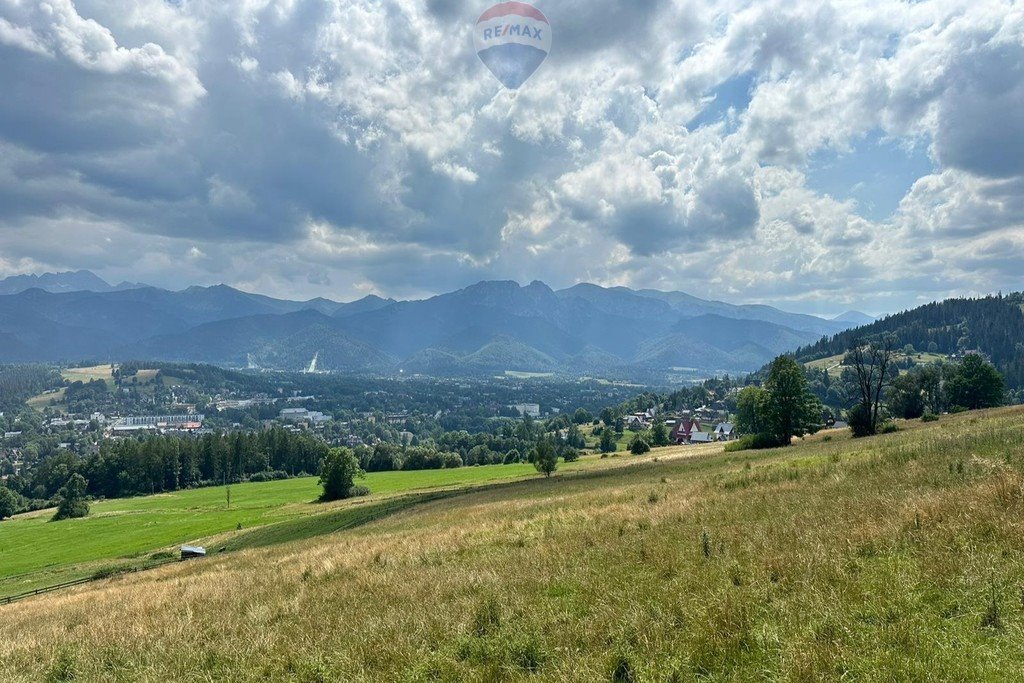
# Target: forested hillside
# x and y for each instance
(993, 325)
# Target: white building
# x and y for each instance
(524, 409)
(303, 415)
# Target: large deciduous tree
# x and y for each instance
(72, 498)
(905, 397)
(9, 502)
(871, 364)
(975, 384)
(786, 405)
(544, 458)
(748, 419)
(338, 472)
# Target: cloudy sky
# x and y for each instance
(818, 156)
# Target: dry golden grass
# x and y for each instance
(893, 558)
(103, 372)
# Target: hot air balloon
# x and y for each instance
(512, 39)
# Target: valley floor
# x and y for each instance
(899, 557)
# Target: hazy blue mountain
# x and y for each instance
(494, 357)
(488, 327)
(71, 281)
(364, 305)
(287, 342)
(854, 319)
(691, 307)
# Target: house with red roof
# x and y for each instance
(684, 429)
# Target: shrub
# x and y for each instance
(107, 572)
(570, 454)
(859, 418)
(269, 475)
(358, 491)
(639, 445)
(929, 417)
(751, 442)
(889, 428)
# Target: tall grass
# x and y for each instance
(899, 557)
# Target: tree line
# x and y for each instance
(158, 464)
(785, 406)
(993, 324)
(162, 463)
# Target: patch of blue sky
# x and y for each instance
(877, 172)
(726, 102)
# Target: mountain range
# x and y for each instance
(71, 281)
(487, 328)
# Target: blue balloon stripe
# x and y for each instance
(512, 63)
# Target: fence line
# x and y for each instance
(7, 600)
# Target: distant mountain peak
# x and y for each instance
(854, 318)
(537, 285)
(57, 283)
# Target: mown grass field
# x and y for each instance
(35, 552)
(54, 397)
(833, 364)
(89, 374)
(896, 558)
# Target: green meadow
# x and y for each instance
(36, 552)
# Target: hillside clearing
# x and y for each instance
(894, 558)
(121, 533)
(833, 365)
(89, 374)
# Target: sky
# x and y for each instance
(818, 156)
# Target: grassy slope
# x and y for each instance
(895, 558)
(35, 552)
(833, 364)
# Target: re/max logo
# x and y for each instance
(502, 30)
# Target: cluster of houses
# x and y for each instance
(686, 428)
